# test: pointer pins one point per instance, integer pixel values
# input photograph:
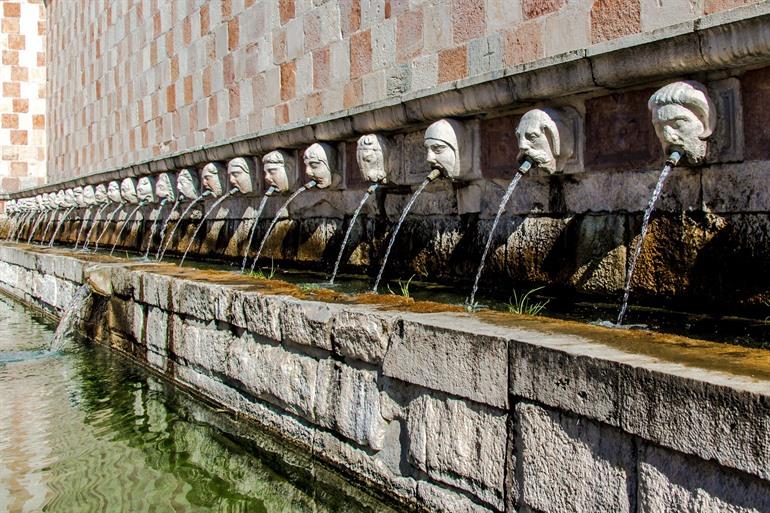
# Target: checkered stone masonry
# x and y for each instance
(130, 80)
(23, 102)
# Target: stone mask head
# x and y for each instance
(61, 199)
(89, 195)
(320, 164)
(164, 187)
(10, 207)
(77, 192)
(187, 184)
(40, 202)
(211, 178)
(449, 149)
(128, 191)
(274, 166)
(113, 192)
(239, 173)
(145, 190)
(100, 194)
(371, 155)
(69, 198)
(684, 117)
(545, 139)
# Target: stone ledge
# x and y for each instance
(595, 391)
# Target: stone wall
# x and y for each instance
(23, 99)
(132, 80)
(445, 411)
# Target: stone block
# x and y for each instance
(755, 91)
(619, 133)
(202, 345)
(308, 323)
(157, 332)
(204, 301)
(460, 444)
(273, 374)
(259, 314)
(566, 464)
(669, 481)
(348, 402)
(362, 335)
(122, 282)
(451, 354)
(156, 290)
(442, 499)
(737, 188)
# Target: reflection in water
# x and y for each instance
(87, 431)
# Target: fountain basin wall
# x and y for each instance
(446, 410)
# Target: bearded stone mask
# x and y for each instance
(145, 190)
(239, 173)
(77, 193)
(164, 187)
(211, 178)
(684, 117)
(113, 192)
(372, 157)
(187, 184)
(100, 193)
(128, 191)
(546, 138)
(89, 195)
(69, 198)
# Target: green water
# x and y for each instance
(88, 431)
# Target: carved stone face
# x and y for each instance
(211, 178)
(77, 192)
(545, 139)
(684, 117)
(274, 166)
(164, 187)
(61, 199)
(69, 198)
(39, 202)
(128, 191)
(239, 171)
(145, 190)
(187, 184)
(52, 201)
(10, 207)
(442, 146)
(113, 192)
(89, 195)
(100, 194)
(370, 155)
(319, 162)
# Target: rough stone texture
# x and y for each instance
(592, 427)
(308, 324)
(669, 481)
(469, 364)
(567, 464)
(459, 443)
(361, 335)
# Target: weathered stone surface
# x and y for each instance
(307, 323)
(460, 444)
(568, 464)
(669, 481)
(204, 301)
(348, 402)
(155, 290)
(362, 335)
(158, 330)
(443, 353)
(737, 189)
(121, 282)
(442, 499)
(257, 313)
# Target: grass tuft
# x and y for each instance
(403, 286)
(522, 305)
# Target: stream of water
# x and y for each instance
(203, 220)
(254, 224)
(645, 225)
(296, 193)
(59, 225)
(164, 226)
(395, 232)
(89, 431)
(368, 193)
(179, 221)
(123, 226)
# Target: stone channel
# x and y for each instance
(441, 410)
